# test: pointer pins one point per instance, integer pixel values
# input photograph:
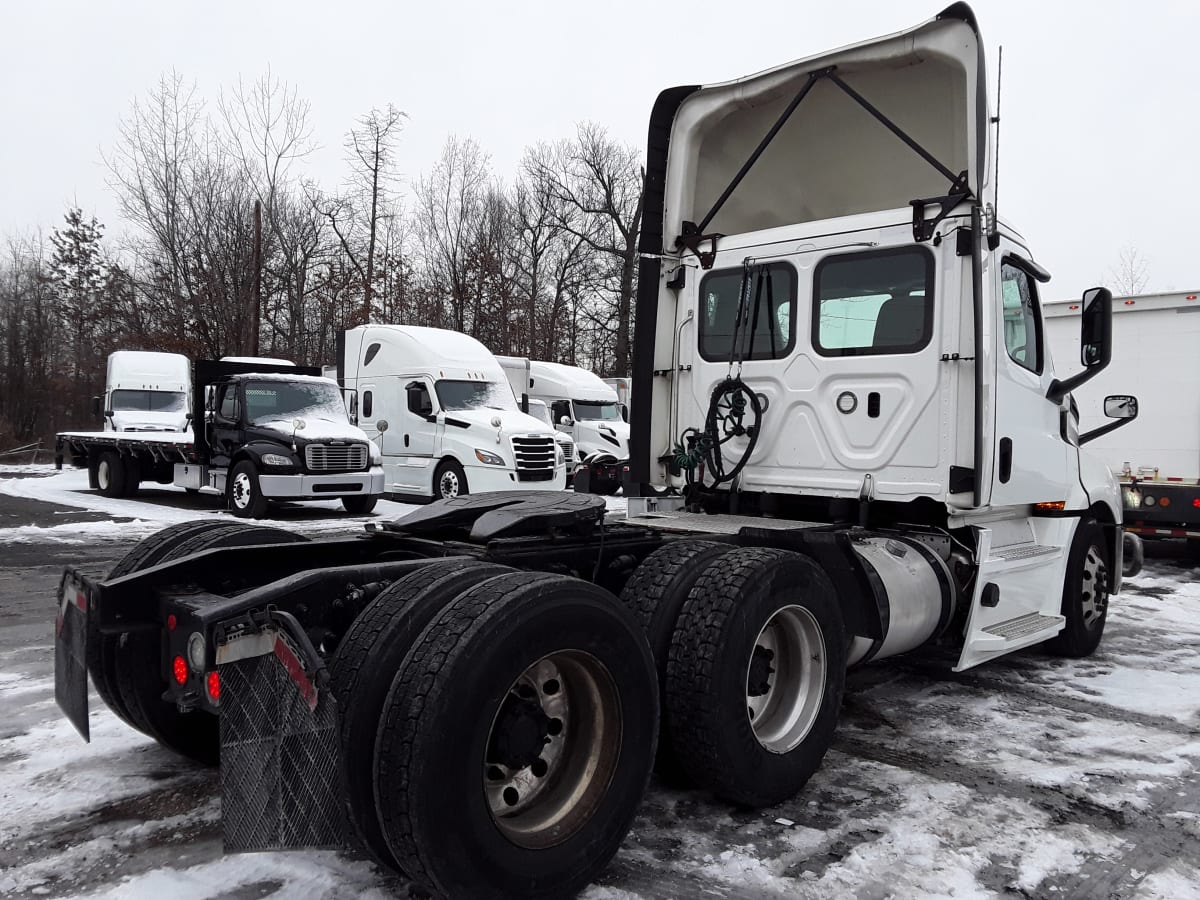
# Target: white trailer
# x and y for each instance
(439, 407)
(146, 391)
(1156, 357)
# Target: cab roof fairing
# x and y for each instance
(832, 158)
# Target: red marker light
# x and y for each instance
(1073, 306)
(1196, 503)
(1190, 297)
(171, 622)
(213, 683)
(180, 670)
(1129, 303)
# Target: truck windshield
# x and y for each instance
(591, 410)
(474, 395)
(148, 401)
(540, 412)
(274, 400)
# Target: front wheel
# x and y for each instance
(245, 496)
(449, 481)
(360, 504)
(1085, 593)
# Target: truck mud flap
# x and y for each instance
(281, 783)
(70, 652)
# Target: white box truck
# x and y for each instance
(439, 407)
(584, 407)
(841, 453)
(146, 391)
(1156, 356)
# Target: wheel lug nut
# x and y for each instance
(555, 726)
(551, 686)
(511, 796)
(539, 768)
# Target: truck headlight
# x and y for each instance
(560, 458)
(277, 459)
(490, 459)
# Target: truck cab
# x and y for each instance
(835, 326)
(440, 409)
(145, 391)
(283, 436)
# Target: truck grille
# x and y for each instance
(335, 458)
(533, 455)
(568, 449)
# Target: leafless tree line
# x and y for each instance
(542, 266)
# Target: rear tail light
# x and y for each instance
(212, 684)
(179, 669)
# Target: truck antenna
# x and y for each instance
(996, 122)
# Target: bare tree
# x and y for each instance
(601, 180)
(1130, 274)
(448, 203)
(370, 149)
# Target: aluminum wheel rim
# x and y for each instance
(785, 679)
(1093, 588)
(448, 485)
(546, 802)
(103, 475)
(241, 490)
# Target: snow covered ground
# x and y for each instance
(1027, 777)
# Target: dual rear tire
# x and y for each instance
(750, 648)
(498, 717)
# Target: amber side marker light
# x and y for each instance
(1050, 506)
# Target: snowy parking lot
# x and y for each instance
(1027, 777)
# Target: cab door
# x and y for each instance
(1031, 451)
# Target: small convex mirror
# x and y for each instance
(1121, 406)
(381, 426)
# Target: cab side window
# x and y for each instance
(559, 410)
(228, 406)
(419, 401)
(1022, 318)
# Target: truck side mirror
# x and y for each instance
(108, 413)
(624, 412)
(97, 407)
(1095, 342)
(1122, 407)
(565, 420)
(1095, 328)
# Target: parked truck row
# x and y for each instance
(847, 440)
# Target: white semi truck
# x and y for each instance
(841, 451)
(1156, 339)
(583, 406)
(438, 406)
(146, 391)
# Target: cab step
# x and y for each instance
(1011, 634)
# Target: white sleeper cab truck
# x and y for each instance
(540, 411)
(1156, 356)
(584, 407)
(848, 442)
(439, 408)
(146, 391)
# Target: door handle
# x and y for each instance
(1005, 460)
(406, 440)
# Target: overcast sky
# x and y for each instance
(1098, 149)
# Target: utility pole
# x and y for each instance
(257, 278)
